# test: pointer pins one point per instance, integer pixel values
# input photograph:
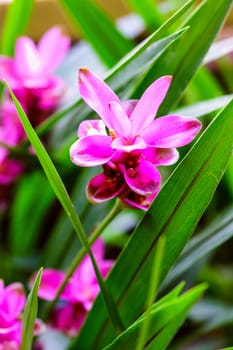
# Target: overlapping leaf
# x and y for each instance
(99, 30)
(184, 57)
(14, 25)
(29, 315)
(163, 317)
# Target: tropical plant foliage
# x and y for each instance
(171, 281)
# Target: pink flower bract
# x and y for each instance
(79, 293)
(128, 140)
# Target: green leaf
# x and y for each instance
(219, 49)
(153, 288)
(218, 232)
(29, 315)
(14, 25)
(204, 107)
(203, 86)
(212, 314)
(184, 56)
(162, 340)
(28, 202)
(149, 11)
(160, 316)
(98, 29)
(189, 189)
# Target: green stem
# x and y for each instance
(80, 255)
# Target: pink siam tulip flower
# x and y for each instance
(12, 301)
(78, 295)
(30, 72)
(128, 142)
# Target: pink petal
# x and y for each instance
(97, 95)
(14, 300)
(129, 106)
(27, 60)
(101, 188)
(136, 143)
(98, 249)
(85, 273)
(105, 267)
(69, 318)
(53, 47)
(50, 282)
(139, 202)
(120, 122)
(91, 127)
(171, 131)
(145, 179)
(7, 69)
(147, 107)
(161, 156)
(92, 150)
(39, 327)
(10, 169)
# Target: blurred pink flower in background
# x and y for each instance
(30, 73)
(128, 142)
(12, 301)
(79, 294)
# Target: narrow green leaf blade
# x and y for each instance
(149, 11)
(184, 57)
(98, 29)
(21, 241)
(160, 318)
(154, 286)
(14, 25)
(29, 315)
(202, 108)
(218, 232)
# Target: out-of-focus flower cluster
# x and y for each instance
(69, 314)
(79, 294)
(12, 302)
(128, 142)
(30, 74)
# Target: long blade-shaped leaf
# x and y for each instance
(29, 315)
(98, 29)
(202, 108)
(23, 242)
(184, 57)
(201, 245)
(14, 25)
(154, 286)
(148, 11)
(175, 213)
(160, 318)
